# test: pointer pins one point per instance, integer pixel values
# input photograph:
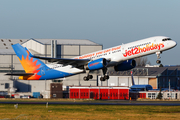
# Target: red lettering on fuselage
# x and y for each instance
(138, 50)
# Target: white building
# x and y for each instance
(69, 48)
(61, 48)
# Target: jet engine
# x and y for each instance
(97, 64)
(126, 65)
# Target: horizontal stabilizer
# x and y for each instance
(19, 74)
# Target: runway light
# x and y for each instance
(16, 106)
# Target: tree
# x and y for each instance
(161, 65)
(142, 61)
(159, 96)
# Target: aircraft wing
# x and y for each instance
(65, 61)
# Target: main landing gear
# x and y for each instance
(106, 77)
(158, 57)
(86, 78)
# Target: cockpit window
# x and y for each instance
(166, 39)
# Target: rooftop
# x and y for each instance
(66, 41)
(5, 44)
(147, 71)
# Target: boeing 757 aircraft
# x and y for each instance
(121, 57)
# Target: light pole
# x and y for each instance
(169, 87)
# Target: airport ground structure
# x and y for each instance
(60, 48)
(157, 77)
(68, 48)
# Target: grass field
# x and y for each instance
(81, 112)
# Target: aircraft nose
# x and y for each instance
(173, 43)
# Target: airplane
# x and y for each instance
(135, 87)
(120, 57)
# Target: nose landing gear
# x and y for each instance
(158, 57)
(158, 61)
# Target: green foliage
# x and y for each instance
(159, 96)
(142, 61)
(161, 65)
(99, 112)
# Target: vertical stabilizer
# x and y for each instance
(132, 78)
(30, 64)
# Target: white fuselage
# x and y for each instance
(123, 52)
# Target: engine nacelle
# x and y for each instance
(126, 65)
(97, 64)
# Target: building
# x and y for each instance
(60, 48)
(152, 94)
(155, 76)
(111, 93)
(68, 48)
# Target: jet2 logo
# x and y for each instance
(93, 64)
(138, 50)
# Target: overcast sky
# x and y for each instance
(107, 22)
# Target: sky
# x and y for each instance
(106, 22)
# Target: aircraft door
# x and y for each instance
(155, 42)
(43, 70)
(123, 49)
(62, 74)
